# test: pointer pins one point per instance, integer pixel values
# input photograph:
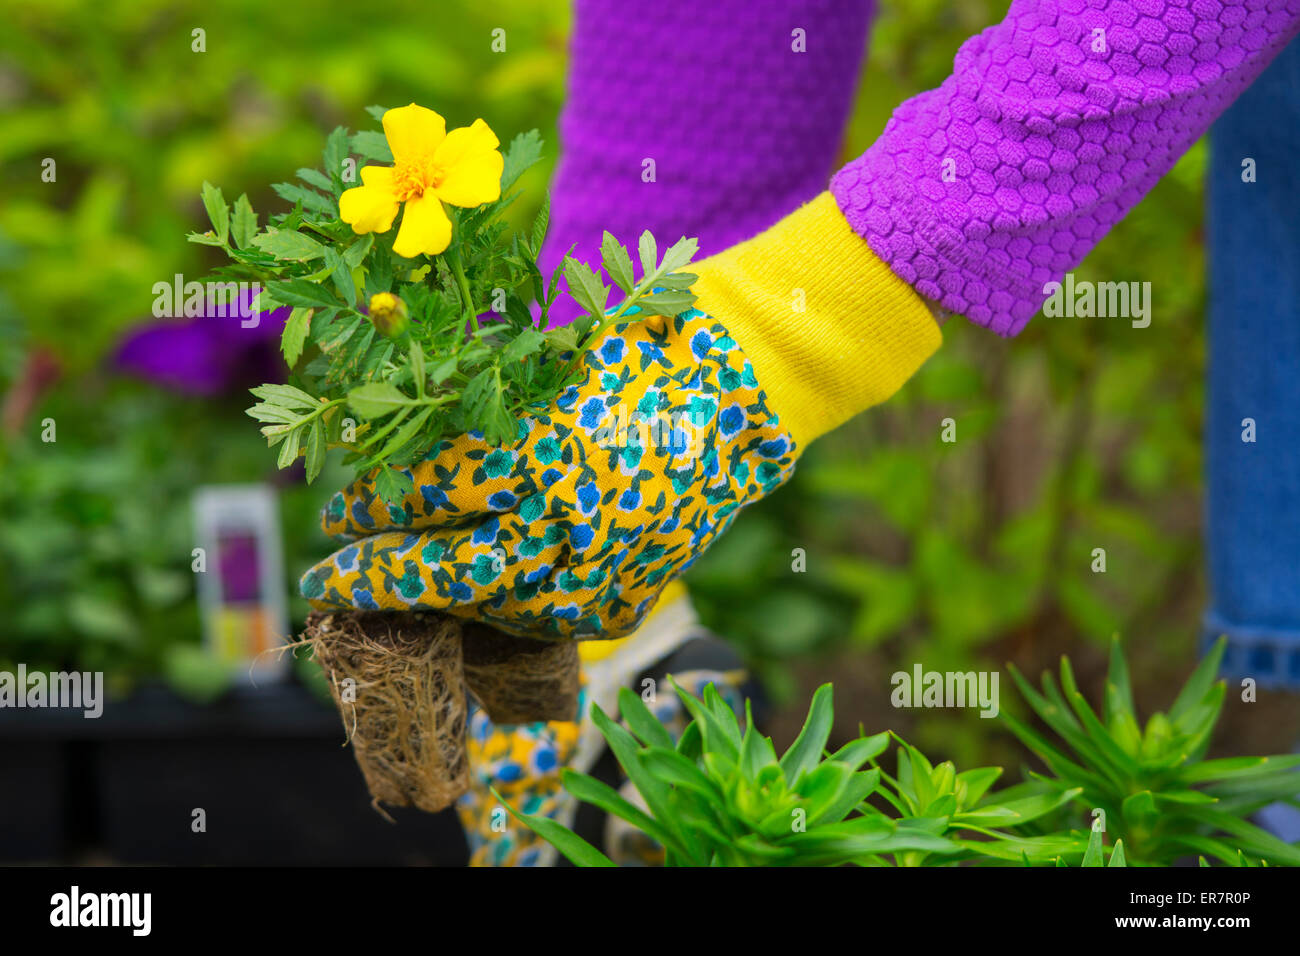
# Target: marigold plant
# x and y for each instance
(398, 337)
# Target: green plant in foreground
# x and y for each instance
(961, 804)
(719, 795)
(389, 355)
(1154, 787)
(1096, 853)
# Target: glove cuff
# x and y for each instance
(828, 327)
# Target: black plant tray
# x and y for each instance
(266, 765)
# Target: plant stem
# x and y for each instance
(458, 270)
(324, 407)
(398, 418)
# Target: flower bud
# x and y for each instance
(388, 313)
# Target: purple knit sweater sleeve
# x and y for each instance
(711, 119)
(1053, 125)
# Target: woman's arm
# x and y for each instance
(739, 105)
(1053, 125)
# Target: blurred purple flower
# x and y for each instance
(207, 355)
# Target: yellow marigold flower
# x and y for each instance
(430, 167)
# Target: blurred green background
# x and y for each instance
(1078, 435)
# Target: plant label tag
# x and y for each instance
(240, 568)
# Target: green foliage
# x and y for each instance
(1096, 853)
(719, 795)
(962, 807)
(406, 368)
(134, 136)
(1154, 786)
(95, 569)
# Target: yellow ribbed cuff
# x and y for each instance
(828, 327)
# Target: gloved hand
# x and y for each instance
(574, 530)
(523, 762)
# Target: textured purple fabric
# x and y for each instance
(741, 127)
(1052, 137)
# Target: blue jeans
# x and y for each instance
(1253, 493)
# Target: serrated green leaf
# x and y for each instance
(243, 226)
(341, 276)
(309, 198)
(527, 342)
(314, 177)
(617, 262)
(205, 238)
(377, 399)
(286, 396)
(666, 303)
(524, 150)
(443, 370)
(268, 412)
(289, 246)
(355, 254)
(289, 450)
(540, 224)
(372, 145)
(336, 150)
(295, 292)
(295, 334)
(315, 449)
(218, 212)
(418, 375)
(392, 485)
(677, 281)
(585, 287)
(679, 255)
(648, 254)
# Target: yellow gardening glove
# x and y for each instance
(619, 485)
